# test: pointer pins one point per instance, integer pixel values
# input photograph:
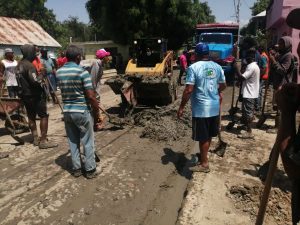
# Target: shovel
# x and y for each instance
(220, 149)
(113, 119)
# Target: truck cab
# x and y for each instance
(221, 39)
(220, 48)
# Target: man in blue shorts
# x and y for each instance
(205, 81)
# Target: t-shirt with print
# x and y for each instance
(206, 77)
(10, 72)
(250, 87)
(73, 81)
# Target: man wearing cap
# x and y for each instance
(50, 73)
(8, 71)
(33, 96)
(97, 73)
(205, 81)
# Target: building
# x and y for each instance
(17, 32)
(90, 48)
(277, 12)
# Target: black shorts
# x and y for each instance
(205, 128)
(35, 105)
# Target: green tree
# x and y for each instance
(259, 6)
(124, 20)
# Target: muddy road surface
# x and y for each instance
(144, 179)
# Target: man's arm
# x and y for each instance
(185, 98)
(91, 96)
(222, 87)
(2, 69)
(238, 72)
(283, 67)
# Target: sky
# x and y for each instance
(222, 9)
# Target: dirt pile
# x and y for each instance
(162, 124)
(247, 198)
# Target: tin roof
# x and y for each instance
(19, 32)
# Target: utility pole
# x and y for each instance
(237, 6)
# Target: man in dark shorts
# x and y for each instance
(250, 91)
(33, 96)
(205, 80)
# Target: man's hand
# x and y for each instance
(179, 112)
(272, 58)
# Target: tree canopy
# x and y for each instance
(124, 20)
(259, 6)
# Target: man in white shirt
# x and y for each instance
(8, 72)
(250, 91)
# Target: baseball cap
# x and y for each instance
(293, 18)
(8, 50)
(101, 53)
(202, 49)
(51, 55)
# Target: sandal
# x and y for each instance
(200, 168)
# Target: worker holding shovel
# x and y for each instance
(204, 82)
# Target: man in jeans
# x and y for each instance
(79, 97)
(205, 81)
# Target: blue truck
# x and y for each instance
(221, 39)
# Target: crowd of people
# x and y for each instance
(37, 76)
(205, 82)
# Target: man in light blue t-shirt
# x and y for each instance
(204, 83)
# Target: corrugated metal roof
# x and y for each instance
(19, 32)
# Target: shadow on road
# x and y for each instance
(64, 161)
(280, 179)
(179, 160)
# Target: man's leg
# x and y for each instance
(88, 141)
(247, 116)
(41, 107)
(10, 90)
(204, 148)
(73, 134)
(31, 114)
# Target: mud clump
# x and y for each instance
(163, 125)
(247, 198)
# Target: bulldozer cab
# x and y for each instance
(149, 51)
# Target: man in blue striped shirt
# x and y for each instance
(79, 99)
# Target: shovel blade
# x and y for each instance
(230, 125)
(261, 121)
(233, 111)
(221, 148)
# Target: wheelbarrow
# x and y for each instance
(15, 121)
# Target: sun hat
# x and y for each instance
(101, 53)
(8, 50)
